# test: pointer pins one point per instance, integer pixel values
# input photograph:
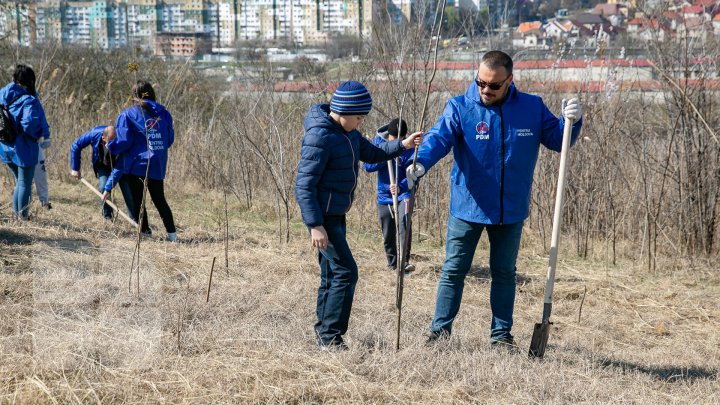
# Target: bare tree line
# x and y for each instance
(644, 181)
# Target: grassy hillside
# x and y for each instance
(70, 331)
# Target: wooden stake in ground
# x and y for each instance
(410, 202)
(227, 235)
(110, 203)
(212, 269)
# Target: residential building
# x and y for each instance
(182, 44)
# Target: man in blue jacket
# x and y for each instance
(495, 132)
(102, 163)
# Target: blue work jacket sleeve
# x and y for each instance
(32, 120)
(76, 149)
(123, 140)
(552, 132)
(441, 138)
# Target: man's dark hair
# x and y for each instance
(143, 90)
(393, 128)
(25, 76)
(498, 59)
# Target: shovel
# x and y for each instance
(110, 203)
(541, 332)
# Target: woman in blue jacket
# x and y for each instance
(30, 126)
(102, 163)
(144, 135)
(325, 187)
(385, 190)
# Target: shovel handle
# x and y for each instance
(557, 216)
(108, 202)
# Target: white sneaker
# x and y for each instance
(172, 237)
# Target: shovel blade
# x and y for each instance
(539, 340)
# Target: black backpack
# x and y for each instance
(8, 133)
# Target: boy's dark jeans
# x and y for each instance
(338, 277)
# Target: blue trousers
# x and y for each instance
(23, 188)
(462, 240)
(338, 277)
(103, 174)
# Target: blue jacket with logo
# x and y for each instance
(93, 138)
(383, 184)
(495, 149)
(328, 168)
(30, 125)
(137, 129)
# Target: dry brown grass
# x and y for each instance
(70, 331)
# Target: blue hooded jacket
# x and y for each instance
(30, 125)
(93, 138)
(495, 149)
(137, 128)
(383, 183)
(328, 168)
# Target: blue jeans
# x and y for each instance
(23, 188)
(103, 174)
(338, 277)
(462, 240)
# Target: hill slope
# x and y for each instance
(70, 331)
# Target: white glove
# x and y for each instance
(571, 109)
(413, 175)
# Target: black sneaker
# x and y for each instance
(505, 343)
(334, 345)
(434, 337)
(46, 205)
(409, 268)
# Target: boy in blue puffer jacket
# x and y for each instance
(30, 126)
(102, 163)
(325, 187)
(144, 135)
(386, 213)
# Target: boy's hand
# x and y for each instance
(105, 195)
(75, 174)
(413, 140)
(319, 237)
(393, 189)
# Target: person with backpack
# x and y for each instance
(103, 163)
(144, 135)
(390, 132)
(325, 187)
(23, 125)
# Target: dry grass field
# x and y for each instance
(70, 332)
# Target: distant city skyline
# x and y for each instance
(108, 24)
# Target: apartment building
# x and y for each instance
(109, 24)
(177, 44)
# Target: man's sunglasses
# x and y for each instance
(491, 86)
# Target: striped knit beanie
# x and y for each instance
(351, 98)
